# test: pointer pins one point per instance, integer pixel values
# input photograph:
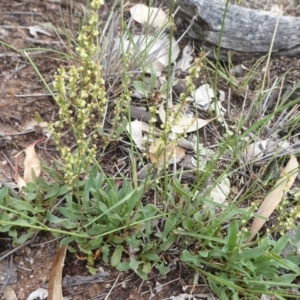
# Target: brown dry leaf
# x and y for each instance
(33, 125)
(282, 186)
(31, 163)
(189, 124)
(18, 178)
(55, 277)
(20, 181)
(173, 152)
(183, 123)
(142, 14)
(136, 129)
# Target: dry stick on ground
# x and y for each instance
(245, 30)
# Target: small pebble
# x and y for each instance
(28, 251)
(4, 163)
(9, 294)
(13, 152)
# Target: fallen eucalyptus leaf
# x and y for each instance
(143, 14)
(55, 276)
(39, 293)
(32, 163)
(186, 61)
(272, 200)
(180, 122)
(256, 150)
(221, 191)
(159, 151)
(203, 96)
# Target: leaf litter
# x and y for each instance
(153, 16)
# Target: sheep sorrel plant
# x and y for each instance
(81, 100)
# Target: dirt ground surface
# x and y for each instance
(28, 24)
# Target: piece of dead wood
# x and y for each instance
(245, 30)
(77, 280)
(139, 114)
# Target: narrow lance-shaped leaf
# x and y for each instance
(283, 185)
(32, 163)
(55, 277)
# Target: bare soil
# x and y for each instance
(22, 97)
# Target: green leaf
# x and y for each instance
(117, 240)
(66, 241)
(92, 270)
(151, 256)
(286, 278)
(153, 77)
(134, 264)
(98, 229)
(95, 243)
(149, 210)
(3, 192)
(22, 223)
(198, 216)
(187, 256)
(63, 190)
(169, 225)
(117, 255)
(53, 192)
(163, 270)
(147, 267)
(142, 274)
(188, 224)
(248, 254)
(203, 254)
(123, 267)
(66, 212)
(297, 236)
(281, 244)
(133, 241)
(141, 87)
(169, 242)
(232, 235)
(105, 253)
(24, 237)
(22, 205)
(54, 219)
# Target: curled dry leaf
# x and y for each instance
(256, 150)
(136, 129)
(282, 186)
(203, 96)
(55, 277)
(32, 163)
(34, 30)
(158, 151)
(38, 294)
(183, 123)
(150, 15)
(136, 133)
(186, 61)
(20, 181)
(33, 125)
(221, 191)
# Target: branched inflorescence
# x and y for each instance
(81, 99)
